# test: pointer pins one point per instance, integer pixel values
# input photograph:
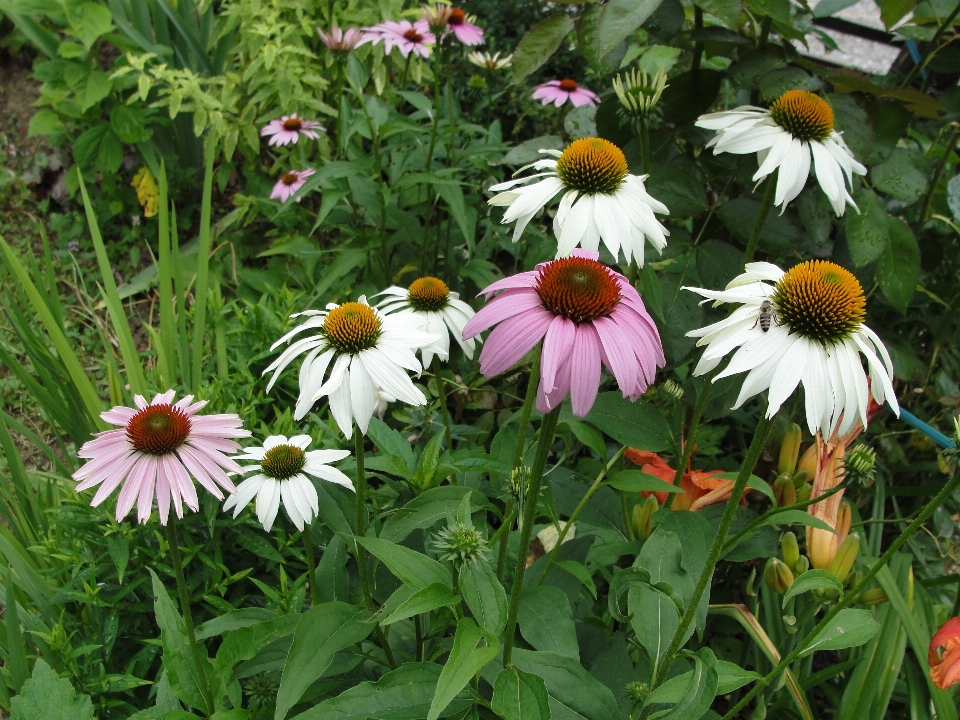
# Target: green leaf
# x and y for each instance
(425, 475)
(46, 696)
(634, 577)
(696, 693)
(634, 424)
(88, 21)
(867, 231)
(244, 643)
(893, 11)
(753, 482)
(391, 442)
(849, 628)
(574, 693)
(403, 694)
(186, 678)
(678, 188)
(726, 11)
(634, 481)
(587, 434)
(484, 595)
(96, 88)
(323, 630)
(414, 569)
(46, 122)
(731, 676)
(539, 44)
(546, 621)
(813, 580)
(127, 125)
(429, 598)
(619, 20)
(580, 572)
(452, 194)
(424, 511)
(903, 175)
(520, 696)
(15, 643)
(899, 267)
(798, 517)
(473, 647)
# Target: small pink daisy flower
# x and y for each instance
(405, 35)
(559, 91)
(341, 40)
(289, 184)
(586, 314)
(288, 129)
(466, 32)
(159, 446)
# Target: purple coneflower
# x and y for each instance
(289, 183)
(340, 40)
(443, 19)
(159, 446)
(586, 314)
(288, 129)
(405, 35)
(559, 91)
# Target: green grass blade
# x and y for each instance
(26, 507)
(180, 287)
(51, 277)
(167, 340)
(38, 442)
(69, 358)
(203, 267)
(16, 646)
(118, 317)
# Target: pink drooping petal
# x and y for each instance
(145, 500)
(619, 356)
(520, 280)
(557, 345)
(548, 400)
(584, 369)
(512, 339)
(502, 307)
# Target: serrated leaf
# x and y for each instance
(46, 696)
(538, 45)
(619, 20)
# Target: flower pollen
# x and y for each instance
(293, 124)
(820, 300)
(457, 17)
(568, 85)
(158, 429)
(428, 294)
(578, 288)
(283, 462)
(290, 178)
(804, 115)
(592, 165)
(413, 36)
(352, 327)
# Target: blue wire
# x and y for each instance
(916, 423)
(915, 56)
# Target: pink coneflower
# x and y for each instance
(159, 446)
(289, 183)
(340, 40)
(288, 129)
(409, 37)
(443, 19)
(559, 91)
(586, 314)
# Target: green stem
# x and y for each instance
(508, 516)
(749, 463)
(928, 200)
(576, 511)
(931, 46)
(311, 566)
(445, 411)
(691, 442)
(547, 427)
(198, 659)
(852, 595)
(697, 46)
(437, 64)
(765, 205)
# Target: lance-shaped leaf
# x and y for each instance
(473, 647)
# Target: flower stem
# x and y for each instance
(177, 563)
(691, 442)
(852, 595)
(928, 200)
(576, 511)
(932, 47)
(749, 463)
(765, 205)
(547, 427)
(311, 566)
(444, 410)
(518, 455)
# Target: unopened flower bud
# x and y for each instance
(840, 566)
(637, 691)
(860, 465)
(873, 597)
(801, 566)
(777, 575)
(844, 518)
(642, 515)
(789, 449)
(804, 492)
(790, 548)
(784, 491)
(808, 461)
(477, 82)
(672, 390)
(800, 478)
(638, 93)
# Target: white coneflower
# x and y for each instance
(491, 62)
(370, 354)
(442, 310)
(797, 125)
(806, 327)
(602, 201)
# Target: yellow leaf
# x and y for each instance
(148, 194)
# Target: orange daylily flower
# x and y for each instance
(945, 668)
(699, 488)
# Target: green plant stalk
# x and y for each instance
(765, 205)
(168, 373)
(853, 594)
(576, 511)
(311, 566)
(547, 427)
(437, 66)
(928, 200)
(931, 47)
(697, 46)
(177, 563)
(691, 442)
(444, 410)
(183, 348)
(528, 399)
(749, 463)
(203, 267)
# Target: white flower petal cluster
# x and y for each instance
(446, 322)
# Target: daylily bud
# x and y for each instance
(840, 566)
(808, 461)
(789, 449)
(642, 515)
(750, 589)
(800, 478)
(873, 597)
(801, 566)
(844, 518)
(804, 492)
(777, 575)
(790, 548)
(784, 491)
